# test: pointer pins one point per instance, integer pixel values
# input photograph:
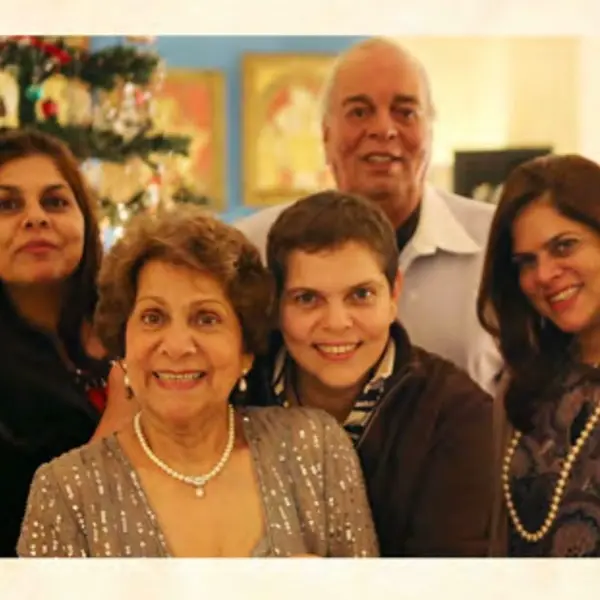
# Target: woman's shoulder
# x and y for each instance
(71, 465)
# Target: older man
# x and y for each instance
(377, 132)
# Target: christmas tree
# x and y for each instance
(119, 82)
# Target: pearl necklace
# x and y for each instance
(198, 481)
(565, 472)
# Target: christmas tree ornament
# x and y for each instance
(49, 108)
(49, 65)
(33, 92)
(153, 190)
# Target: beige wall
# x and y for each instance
(589, 98)
(500, 92)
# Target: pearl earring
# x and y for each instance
(243, 385)
(127, 382)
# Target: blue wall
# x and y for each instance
(224, 53)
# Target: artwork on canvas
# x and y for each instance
(283, 154)
(192, 103)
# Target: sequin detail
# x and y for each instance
(90, 501)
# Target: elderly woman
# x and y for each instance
(185, 299)
(53, 373)
(540, 297)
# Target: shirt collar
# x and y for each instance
(438, 228)
(383, 371)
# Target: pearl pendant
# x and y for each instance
(200, 491)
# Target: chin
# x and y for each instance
(44, 278)
(573, 326)
(178, 420)
(380, 191)
(340, 383)
(174, 412)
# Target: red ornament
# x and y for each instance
(49, 108)
(140, 97)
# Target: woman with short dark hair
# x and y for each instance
(421, 427)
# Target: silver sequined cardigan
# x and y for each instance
(89, 502)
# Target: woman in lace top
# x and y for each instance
(186, 301)
(540, 297)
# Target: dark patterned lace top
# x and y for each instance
(535, 470)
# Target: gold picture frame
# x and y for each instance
(283, 156)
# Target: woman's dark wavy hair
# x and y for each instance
(81, 297)
(537, 354)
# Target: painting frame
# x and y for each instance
(215, 82)
(285, 69)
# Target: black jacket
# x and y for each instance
(44, 412)
(426, 454)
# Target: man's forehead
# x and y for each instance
(370, 74)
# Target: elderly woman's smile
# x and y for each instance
(178, 380)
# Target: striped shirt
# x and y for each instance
(365, 403)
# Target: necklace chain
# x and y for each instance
(198, 481)
(557, 496)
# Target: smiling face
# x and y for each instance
(377, 130)
(41, 224)
(335, 313)
(559, 267)
(183, 343)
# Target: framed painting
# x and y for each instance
(283, 157)
(192, 103)
(480, 174)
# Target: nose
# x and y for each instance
(337, 317)
(547, 269)
(177, 340)
(35, 216)
(382, 126)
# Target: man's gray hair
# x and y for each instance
(374, 42)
